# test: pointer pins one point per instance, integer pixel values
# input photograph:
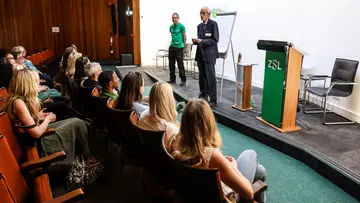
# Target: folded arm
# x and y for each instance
(236, 182)
(22, 112)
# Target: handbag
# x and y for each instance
(81, 174)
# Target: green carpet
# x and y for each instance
(288, 180)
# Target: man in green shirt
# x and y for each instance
(109, 82)
(176, 49)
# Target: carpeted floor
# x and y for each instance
(288, 179)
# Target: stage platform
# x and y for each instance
(332, 151)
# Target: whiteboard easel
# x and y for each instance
(225, 42)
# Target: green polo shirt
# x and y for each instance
(105, 93)
(177, 40)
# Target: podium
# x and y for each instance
(243, 87)
(281, 85)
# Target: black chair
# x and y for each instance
(158, 167)
(195, 184)
(126, 136)
(72, 90)
(99, 108)
(342, 83)
(84, 99)
(99, 112)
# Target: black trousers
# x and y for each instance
(178, 55)
(207, 79)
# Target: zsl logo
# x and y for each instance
(274, 64)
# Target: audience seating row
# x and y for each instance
(23, 174)
(40, 57)
(163, 177)
(46, 61)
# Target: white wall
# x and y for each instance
(324, 29)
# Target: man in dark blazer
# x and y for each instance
(206, 55)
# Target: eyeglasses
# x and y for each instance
(202, 13)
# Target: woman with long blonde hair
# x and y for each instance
(23, 108)
(70, 70)
(199, 144)
(162, 113)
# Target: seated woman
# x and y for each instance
(131, 93)
(109, 82)
(79, 68)
(19, 54)
(63, 62)
(23, 108)
(198, 146)
(92, 71)
(70, 70)
(162, 113)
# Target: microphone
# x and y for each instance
(180, 106)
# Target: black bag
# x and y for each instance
(81, 174)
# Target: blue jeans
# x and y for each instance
(248, 165)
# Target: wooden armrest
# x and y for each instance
(324, 76)
(343, 83)
(259, 186)
(72, 196)
(43, 162)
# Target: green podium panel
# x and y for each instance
(273, 92)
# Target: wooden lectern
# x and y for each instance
(281, 85)
(243, 87)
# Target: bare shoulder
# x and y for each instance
(217, 159)
(19, 104)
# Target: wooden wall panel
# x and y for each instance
(136, 32)
(86, 23)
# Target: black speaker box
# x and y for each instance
(122, 17)
(113, 18)
(126, 59)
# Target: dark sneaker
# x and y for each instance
(183, 83)
(171, 81)
(212, 104)
(201, 96)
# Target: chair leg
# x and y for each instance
(311, 110)
(333, 123)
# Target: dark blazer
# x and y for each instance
(207, 49)
(92, 84)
